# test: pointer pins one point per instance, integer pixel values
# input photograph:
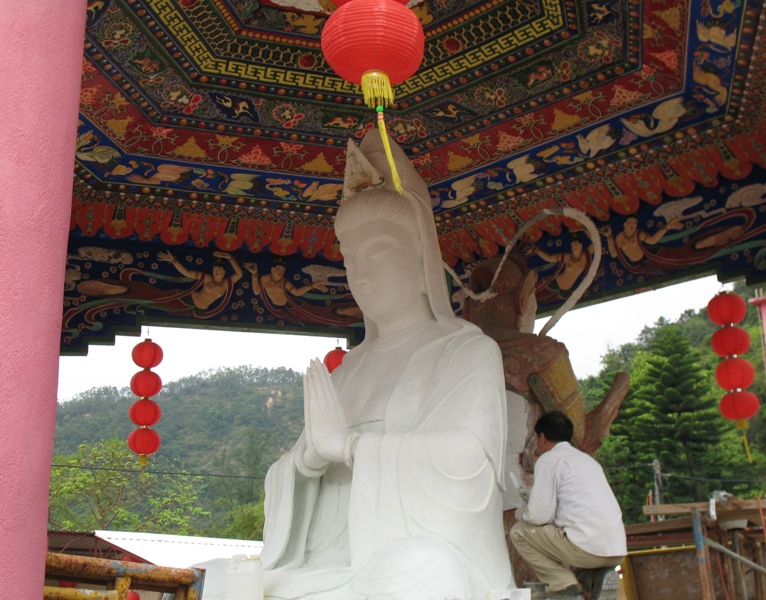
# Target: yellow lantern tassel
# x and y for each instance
(747, 448)
(389, 155)
(376, 88)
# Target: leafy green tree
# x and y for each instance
(245, 522)
(99, 487)
(630, 479)
(241, 493)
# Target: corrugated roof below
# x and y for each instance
(178, 550)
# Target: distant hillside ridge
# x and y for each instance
(204, 417)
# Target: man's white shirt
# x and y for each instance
(571, 491)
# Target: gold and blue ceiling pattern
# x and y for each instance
(217, 126)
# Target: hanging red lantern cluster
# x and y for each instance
(145, 412)
(376, 44)
(734, 374)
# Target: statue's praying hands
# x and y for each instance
(326, 429)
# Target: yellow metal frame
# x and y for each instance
(118, 577)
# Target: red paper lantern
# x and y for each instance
(726, 308)
(334, 358)
(133, 596)
(738, 406)
(145, 412)
(146, 383)
(147, 354)
(730, 340)
(374, 43)
(342, 2)
(144, 441)
(734, 374)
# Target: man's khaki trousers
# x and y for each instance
(550, 554)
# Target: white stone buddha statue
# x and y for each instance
(393, 491)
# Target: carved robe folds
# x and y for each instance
(418, 516)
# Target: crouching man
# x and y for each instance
(571, 532)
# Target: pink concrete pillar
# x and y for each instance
(41, 48)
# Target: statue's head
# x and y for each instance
(388, 240)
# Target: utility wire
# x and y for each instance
(158, 472)
(639, 466)
(712, 479)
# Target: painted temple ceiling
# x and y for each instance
(212, 141)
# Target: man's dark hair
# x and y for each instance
(556, 426)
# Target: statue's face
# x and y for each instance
(218, 273)
(384, 269)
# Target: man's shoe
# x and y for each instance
(592, 580)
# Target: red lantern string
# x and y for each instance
(733, 374)
(145, 412)
(334, 358)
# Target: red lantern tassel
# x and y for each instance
(389, 155)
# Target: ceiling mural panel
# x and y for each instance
(216, 126)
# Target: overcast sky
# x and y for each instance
(587, 332)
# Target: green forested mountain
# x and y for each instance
(232, 422)
(202, 415)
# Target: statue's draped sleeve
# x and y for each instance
(293, 490)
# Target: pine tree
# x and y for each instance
(679, 422)
(624, 456)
